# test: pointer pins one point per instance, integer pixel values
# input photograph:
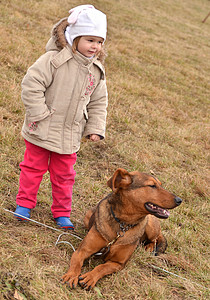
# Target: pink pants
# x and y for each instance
(37, 161)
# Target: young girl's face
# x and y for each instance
(90, 45)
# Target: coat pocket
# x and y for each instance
(38, 129)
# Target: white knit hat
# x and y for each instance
(85, 20)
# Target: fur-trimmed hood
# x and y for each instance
(58, 40)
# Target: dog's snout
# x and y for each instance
(178, 200)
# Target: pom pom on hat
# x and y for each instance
(85, 20)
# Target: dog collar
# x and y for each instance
(123, 226)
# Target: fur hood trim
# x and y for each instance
(58, 40)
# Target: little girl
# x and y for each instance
(65, 97)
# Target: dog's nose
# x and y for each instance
(178, 200)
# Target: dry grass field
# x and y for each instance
(158, 80)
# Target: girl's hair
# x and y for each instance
(101, 55)
(75, 44)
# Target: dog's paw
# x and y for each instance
(150, 247)
(87, 281)
(70, 278)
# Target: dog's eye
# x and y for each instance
(153, 186)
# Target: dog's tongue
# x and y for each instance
(163, 212)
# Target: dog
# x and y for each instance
(126, 217)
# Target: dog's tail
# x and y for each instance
(161, 245)
(89, 218)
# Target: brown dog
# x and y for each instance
(119, 222)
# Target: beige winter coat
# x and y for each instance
(65, 97)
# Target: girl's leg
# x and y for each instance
(62, 176)
(33, 167)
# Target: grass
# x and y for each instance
(158, 119)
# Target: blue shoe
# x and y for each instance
(64, 222)
(23, 212)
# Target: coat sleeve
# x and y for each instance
(38, 77)
(97, 111)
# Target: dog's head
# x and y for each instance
(143, 192)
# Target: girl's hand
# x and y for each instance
(94, 137)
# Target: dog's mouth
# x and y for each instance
(157, 211)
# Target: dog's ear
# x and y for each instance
(120, 179)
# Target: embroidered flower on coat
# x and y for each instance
(33, 126)
(91, 84)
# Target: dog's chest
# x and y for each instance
(109, 228)
(133, 234)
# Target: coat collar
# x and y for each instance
(66, 54)
(61, 57)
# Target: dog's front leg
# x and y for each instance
(116, 260)
(91, 244)
(89, 279)
(76, 263)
